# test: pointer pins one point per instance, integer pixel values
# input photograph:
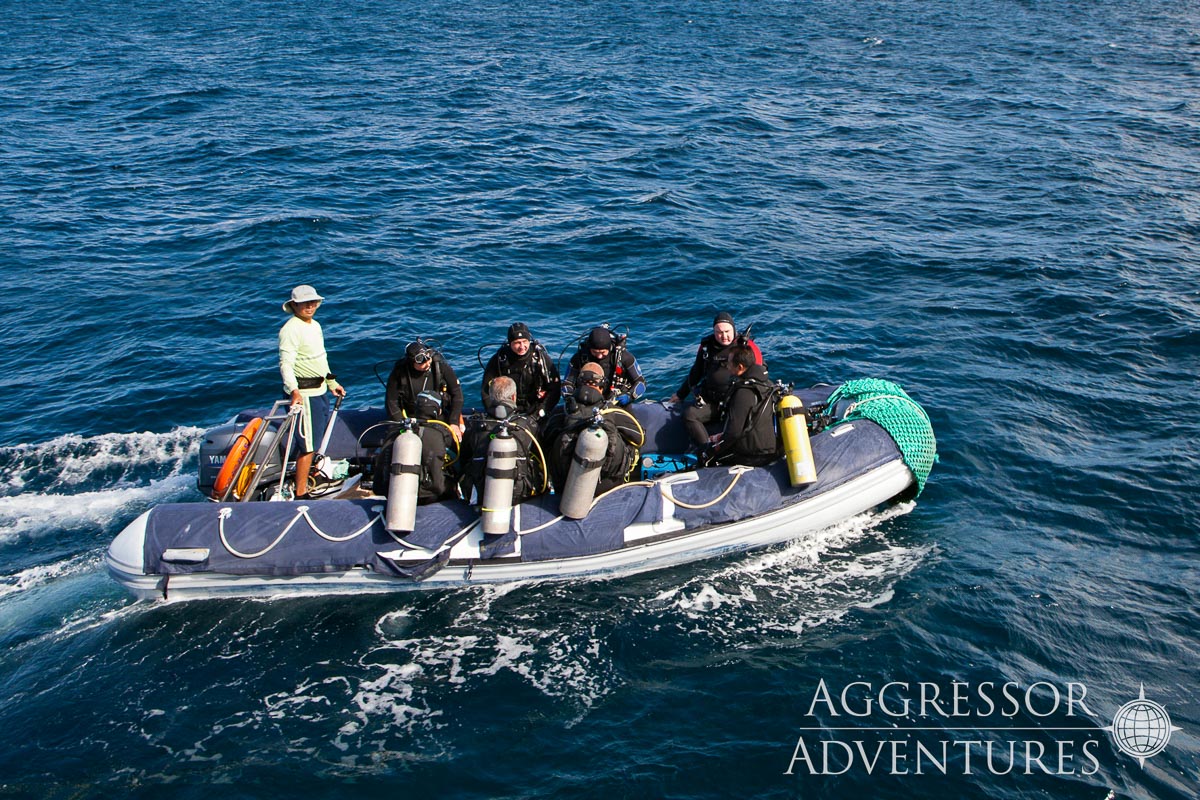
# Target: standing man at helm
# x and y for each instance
(304, 366)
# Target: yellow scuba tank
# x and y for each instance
(796, 448)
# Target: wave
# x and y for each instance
(813, 581)
(42, 574)
(74, 480)
(574, 647)
(29, 515)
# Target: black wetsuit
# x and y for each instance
(710, 378)
(620, 460)
(622, 376)
(432, 394)
(538, 384)
(749, 436)
(472, 459)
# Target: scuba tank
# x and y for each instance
(796, 448)
(498, 481)
(584, 474)
(403, 483)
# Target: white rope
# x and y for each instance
(301, 513)
(446, 545)
(304, 513)
(865, 401)
(735, 471)
(226, 512)
(539, 527)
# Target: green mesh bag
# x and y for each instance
(888, 406)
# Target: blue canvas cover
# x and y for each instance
(837, 458)
(601, 530)
(757, 491)
(663, 425)
(841, 453)
(253, 527)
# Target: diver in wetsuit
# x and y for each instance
(622, 381)
(710, 378)
(625, 435)
(749, 437)
(529, 479)
(526, 361)
(423, 386)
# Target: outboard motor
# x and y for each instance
(498, 482)
(403, 483)
(584, 474)
(214, 448)
(793, 428)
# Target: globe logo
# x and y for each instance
(1141, 728)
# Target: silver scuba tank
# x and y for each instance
(403, 483)
(498, 481)
(584, 474)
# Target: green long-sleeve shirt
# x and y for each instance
(302, 355)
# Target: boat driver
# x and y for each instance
(304, 367)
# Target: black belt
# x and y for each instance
(309, 383)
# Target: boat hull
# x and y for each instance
(646, 548)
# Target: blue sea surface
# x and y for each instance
(995, 203)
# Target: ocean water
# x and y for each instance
(994, 203)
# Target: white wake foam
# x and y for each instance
(27, 515)
(812, 581)
(571, 656)
(72, 460)
(73, 480)
(33, 577)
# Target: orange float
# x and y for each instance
(235, 458)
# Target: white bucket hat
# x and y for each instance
(302, 294)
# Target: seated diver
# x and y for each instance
(530, 478)
(582, 410)
(709, 378)
(621, 380)
(422, 386)
(749, 437)
(525, 360)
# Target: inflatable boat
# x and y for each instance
(870, 443)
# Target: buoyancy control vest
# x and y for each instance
(472, 462)
(624, 440)
(750, 428)
(424, 395)
(709, 376)
(714, 384)
(536, 377)
(621, 372)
